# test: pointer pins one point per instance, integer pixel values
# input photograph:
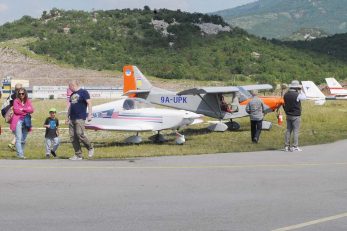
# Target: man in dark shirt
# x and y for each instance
(292, 107)
(52, 133)
(77, 114)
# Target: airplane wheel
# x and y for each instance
(158, 139)
(233, 126)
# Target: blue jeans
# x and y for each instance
(52, 144)
(21, 135)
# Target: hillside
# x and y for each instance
(333, 45)
(42, 72)
(170, 45)
(280, 18)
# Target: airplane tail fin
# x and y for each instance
(332, 83)
(313, 92)
(134, 81)
(334, 87)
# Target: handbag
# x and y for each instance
(27, 121)
(8, 115)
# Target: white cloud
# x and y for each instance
(3, 7)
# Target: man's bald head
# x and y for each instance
(74, 85)
(18, 86)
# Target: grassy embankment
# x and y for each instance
(320, 124)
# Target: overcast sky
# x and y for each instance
(14, 9)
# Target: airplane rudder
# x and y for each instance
(129, 82)
(141, 81)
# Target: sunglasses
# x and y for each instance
(21, 93)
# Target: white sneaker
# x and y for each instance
(297, 149)
(287, 149)
(91, 153)
(75, 158)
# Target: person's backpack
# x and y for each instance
(6, 106)
(8, 114)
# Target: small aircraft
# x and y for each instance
(312, 92)
(138, 115)
(209, 101)
(336, 90)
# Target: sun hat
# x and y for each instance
(295, 85)
(52, 110)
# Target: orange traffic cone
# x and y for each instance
(279, 118)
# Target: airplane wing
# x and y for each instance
(257, 87)
(220, 90)
(208, 90)
(130, 128)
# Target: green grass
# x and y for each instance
(320, 124)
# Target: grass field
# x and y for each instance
(320, 124)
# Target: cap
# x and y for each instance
(52, 110)
(295, 84)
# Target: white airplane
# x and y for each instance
(312, 92)
(336, 90)
(138, 115)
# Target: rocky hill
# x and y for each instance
(39, 72)
(281, 18)
(42, 72)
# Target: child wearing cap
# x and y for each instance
(52, 133)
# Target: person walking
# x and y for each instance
(77, 114)
(292, 107)
(22, 108)
(255, 109)
(8, 106)
(52, 133)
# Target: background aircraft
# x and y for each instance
(209, 101)
(138, 115)
(312, 92)
(336, 90)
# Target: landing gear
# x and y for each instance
(233, 126)
(134, 139)
(158, 138)
(218, 127)
(180, 139)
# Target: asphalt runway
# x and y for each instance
(271, 190)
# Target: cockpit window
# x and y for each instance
(129, 104)
(244, 94)
(136, 103)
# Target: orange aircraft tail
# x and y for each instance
(129, 82)
(134, 81)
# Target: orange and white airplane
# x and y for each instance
(208, 101)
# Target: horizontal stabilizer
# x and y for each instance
(135, 92)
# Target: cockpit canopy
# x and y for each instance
(136, 103)
(243, 94)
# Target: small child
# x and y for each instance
(52, 133)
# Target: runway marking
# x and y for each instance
(314, 222)
(174, 167)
